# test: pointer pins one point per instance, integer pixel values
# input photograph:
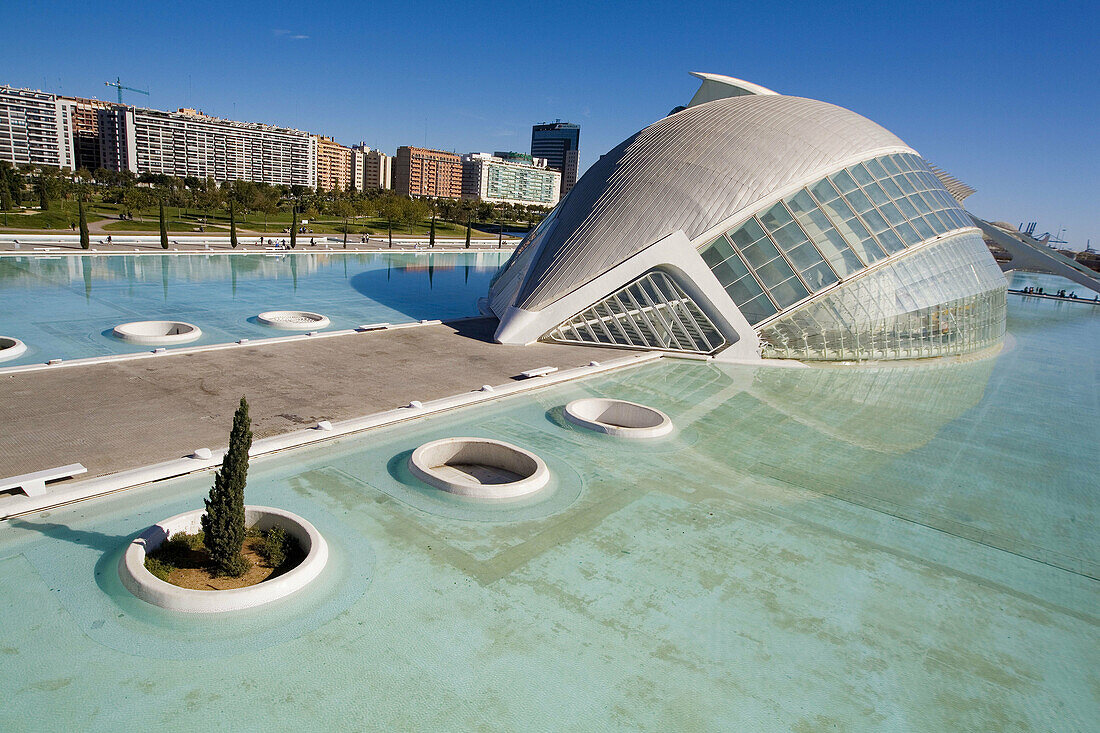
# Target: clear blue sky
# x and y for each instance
(1003, 95)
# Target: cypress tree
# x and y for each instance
(467, 230)
(294, 228)
(5, 190)
(85, 238)
(431, 236)
(163, 227)
(232, 226)
(223, 524)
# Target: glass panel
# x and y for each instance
(789, 236)
(908, 234)
(891, 188)
(760, 253)
(877, 194)
(824, 191)
(757, 309)
(892, 214)
(815, 222)
(889, 164)
(729, 271)
(789, 292)
(861, 175)
(905, 184)
(844, 182)
(890, 241)
(819, 276)
(900, 312)
(875, 221)
(775, 217)
(859, 201)
(801, 203)
(839, 256)
(907, 208)
(876, 168)
(922, 227)
(744, 290)
(804, 256)
(716, 251)
(774, 273)
(749, 232)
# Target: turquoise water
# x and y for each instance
(905, 548)
(65, 306)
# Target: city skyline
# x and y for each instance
(997, 99)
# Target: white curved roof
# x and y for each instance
(720, 86)
(687, 172)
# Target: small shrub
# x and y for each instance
(275, 547)
(235, 567)
(158, 567)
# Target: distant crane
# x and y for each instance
(117, 83)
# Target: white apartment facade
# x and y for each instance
(190, 143)
(509, 178)
(35, 128)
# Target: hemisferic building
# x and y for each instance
(751, 225)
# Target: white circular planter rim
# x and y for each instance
(485, 451)
(11, 348)
(293, 320)
(151, 589)
(157, 332)
(632, 420)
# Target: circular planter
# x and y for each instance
(479, 467)
(151, 589)
(11, 348)
(157, 332)
(293, 320)
(619, 418)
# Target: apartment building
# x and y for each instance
(371, 169)
(84, 127)
(35, 128)
(334, 165)
(513, 178)
(190, 143)
(425, 172)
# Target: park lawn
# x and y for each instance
(154, 226)
(55, 218)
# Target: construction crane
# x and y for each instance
(117, 83)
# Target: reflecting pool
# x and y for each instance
(904, 548)
(65, 306)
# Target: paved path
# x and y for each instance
(123, 415)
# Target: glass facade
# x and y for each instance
(652, 313)
(947, 298)
(830, 231)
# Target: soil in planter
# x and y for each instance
(192, 569)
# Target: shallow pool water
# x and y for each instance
(902, 548)
(64, 307)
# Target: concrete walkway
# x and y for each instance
(123, 415)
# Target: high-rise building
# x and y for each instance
(35, 128)
(424, 172)
(334, 164)
(512, 178)
(190, 143)
(559, 142)
(84, 126)
(371, 169)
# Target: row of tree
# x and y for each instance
(43, 185)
